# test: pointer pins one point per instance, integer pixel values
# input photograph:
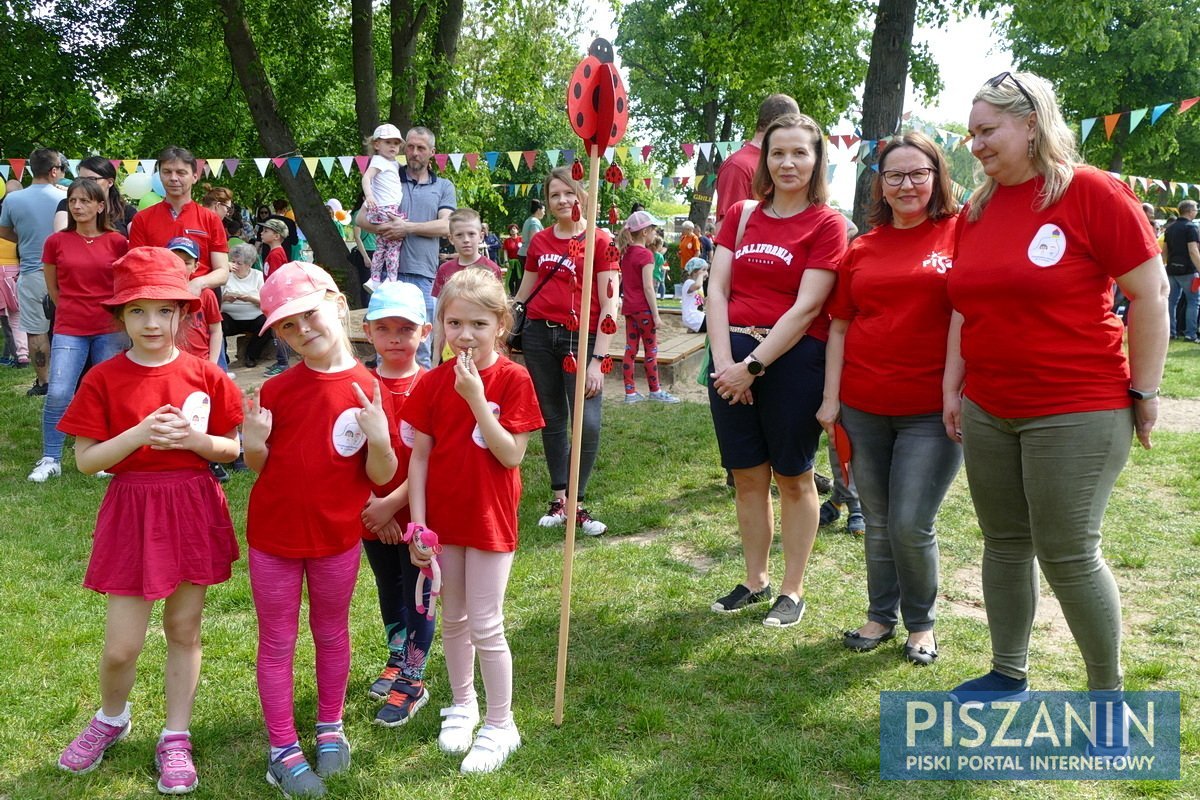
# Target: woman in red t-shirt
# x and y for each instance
(773, 269)
(553, 266)
(1037, 384)
(79, 275)
(883, 378)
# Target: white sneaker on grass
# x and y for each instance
(492, 747)
(458, 726)
(45, 469)
(663, 396)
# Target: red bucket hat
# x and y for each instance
(150, 273)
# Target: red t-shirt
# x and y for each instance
(633, 288)
(564, 292)
(470, 497)
(402, 439)
(194, 336)
(308, 501)
(735, 177)
(155, 226)
(85, 279)
(276, 257)
(118, 394)
(448, 269)
(892, 289)
(510, 246)
(773, 256)
(1035, 291)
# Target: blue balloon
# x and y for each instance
(156, 185)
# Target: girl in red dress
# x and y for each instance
(154, 417)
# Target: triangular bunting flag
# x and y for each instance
(1184, 105)
(1110, 124)
(441, 159)
(568, 156)
(130, 166)
(456, 160)
(1135, 117)
(148, 164)
(116, 162)
(1170, 188)
(231, 165)
(294, 164)
(706, 150)
(18, 165)
(1183, 188)
(262, 164)
(609, 153)
(688, 149)
(279, 162)
(647, 182)
(346, 162)
(723, 148)
(623, 154)
(530, 156)
(1144, 183)
(327, 164)
(310, 163)
(472, 160)
(646, 148)
(859, 167)
(830, 170)
(73, 164)
(515, 157)
(1159, 111)
(684, 181)
(5, 170)
(1086, 128)
(362, 162)
(215, 166)
(201, 165)
(552, 156)
(492, 157)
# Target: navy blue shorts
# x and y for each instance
(781, 427)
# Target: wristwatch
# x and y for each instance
(753, 365)
(1137, 394)
(597, 357)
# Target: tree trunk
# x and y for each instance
(702, 192)
(407, 17)
(276, 138)
(366, 92)
(445, 51)
(883, 94)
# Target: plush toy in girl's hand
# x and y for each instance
(427, 542)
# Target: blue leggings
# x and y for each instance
(409, 633)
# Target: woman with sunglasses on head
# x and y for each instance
(774, 266)
(101, 170)
(883, 378)
(1037, 386)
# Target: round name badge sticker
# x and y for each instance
(407, 434)
(196, 410)
(1048, 247)
(477, 435)
(348, 438)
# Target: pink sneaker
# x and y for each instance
(176, 772)
(87, 751)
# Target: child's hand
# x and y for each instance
(155, 424)
(375, 516)
(370, 205)
(371, 419)
(467, 382)
(421, 559)
(256, 427)
(391, 533)
(172, 432)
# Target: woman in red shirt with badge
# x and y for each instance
(883, 378)
(553, 266)
(773, 269)
(1037, 384)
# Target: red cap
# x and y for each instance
(150, 273)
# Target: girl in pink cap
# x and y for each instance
(154, 417)
(320, 445)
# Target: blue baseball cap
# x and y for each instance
(397, 299)
(185, 245)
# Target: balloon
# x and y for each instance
(3, 190)
(149, 199)
(156, 184)
(136, 185)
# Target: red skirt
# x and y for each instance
(156, 530)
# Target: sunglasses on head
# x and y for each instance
(999, 79)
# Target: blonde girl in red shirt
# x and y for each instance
(471, 418)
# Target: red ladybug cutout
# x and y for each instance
(606, 365)
(610, 288)
(577, 170)
(613, 254)
(575, 212)
(607, 325)
(575, 249)
(597, 104)
(572, 323)
(613, 215)
(613, 174)
(569, 364)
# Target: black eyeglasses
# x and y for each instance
(917, 176)
(999, 79)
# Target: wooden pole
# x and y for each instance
(583, 362)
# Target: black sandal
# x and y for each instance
(853, 640)
(921, 655)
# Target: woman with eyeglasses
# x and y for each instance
(1037, 386)
(101, 170)
(883, 379)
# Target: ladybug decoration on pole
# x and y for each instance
(598, 108)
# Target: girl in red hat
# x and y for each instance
(153, 417)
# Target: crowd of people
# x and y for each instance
(982, 336)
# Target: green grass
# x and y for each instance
(664, 698)
(1181, 378)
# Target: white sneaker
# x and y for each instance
(103, 474)
(371, 285)
(45, 469)
(663, 396)
(491, 749)
(634, 397)
(458, 724)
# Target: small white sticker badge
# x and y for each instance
(348, 438)
(1048, 247)
(477, 435)
(196, 410)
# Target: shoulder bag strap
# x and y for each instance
(747, 209)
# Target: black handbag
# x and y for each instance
(518, 311)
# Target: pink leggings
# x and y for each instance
(639, 327)
(276, 583)
(473, 586)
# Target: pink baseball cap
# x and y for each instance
(294, 288)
